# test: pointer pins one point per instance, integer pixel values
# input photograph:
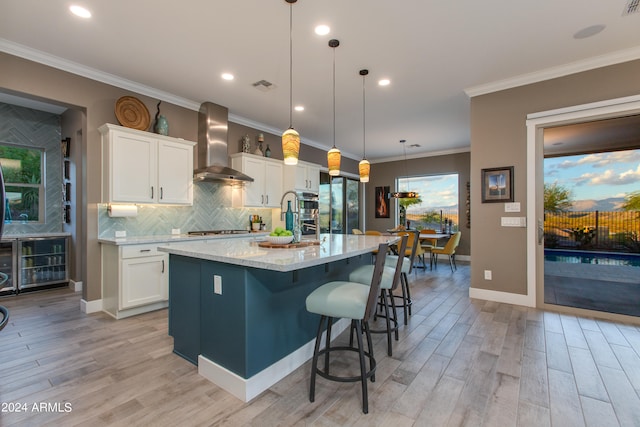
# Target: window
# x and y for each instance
(22, 169)
(437, 201)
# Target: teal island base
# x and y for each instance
(246, 328)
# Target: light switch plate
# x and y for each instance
(513, 221)
(175, 231)
(512, 207)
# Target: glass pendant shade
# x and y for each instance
(333, 161)
(364, 167)
(290, 146)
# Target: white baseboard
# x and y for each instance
(75, 286)
(247, 389)
(505, 297)
(90, 306)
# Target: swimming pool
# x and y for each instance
(585, 257)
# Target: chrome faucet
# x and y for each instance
(295, 209)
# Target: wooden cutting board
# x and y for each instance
(289, 245)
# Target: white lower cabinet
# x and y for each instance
(135, 279)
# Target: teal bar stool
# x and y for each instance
(389, 283)
(407, 268)
(346, 300)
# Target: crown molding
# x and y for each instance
(93, 74)
(422, 155)
(612, 58)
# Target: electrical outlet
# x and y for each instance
(121, 233)
(217, 284)
(175, 231)
(487, 275)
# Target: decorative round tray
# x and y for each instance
(132, 113)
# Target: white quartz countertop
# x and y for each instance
(246, 252)
(170, 238)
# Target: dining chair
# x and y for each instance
(428, 244)
(357, 231)
(373, 233)
(448, 249)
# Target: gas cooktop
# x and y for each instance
(212, 232)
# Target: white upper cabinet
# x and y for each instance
(302, 177)
(142, 167)
(266, 189)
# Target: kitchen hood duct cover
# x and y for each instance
(213, 160)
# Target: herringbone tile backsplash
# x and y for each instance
(210, 211)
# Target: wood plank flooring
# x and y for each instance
(459, 362)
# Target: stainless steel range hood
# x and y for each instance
(213, 160)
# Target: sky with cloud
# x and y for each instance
(596, 176)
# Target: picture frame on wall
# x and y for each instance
(382, 202)
(497, 185)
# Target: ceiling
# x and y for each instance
(436, 54)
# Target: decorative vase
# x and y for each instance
(162, 125)
(267, 152)
(246, 144)
(258, 151)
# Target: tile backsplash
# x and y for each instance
(210, 211)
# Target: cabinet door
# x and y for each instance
(254, 191)
(313, 179)
(175, 173)
(144, 281)
(273, 184)
(133, 168)
(301, 182)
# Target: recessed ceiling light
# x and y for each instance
(384, 82)
(227, 76)
(80, 11)
(299, 108)
(322, 30)
(588, 31)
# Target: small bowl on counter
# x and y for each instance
(279, 240)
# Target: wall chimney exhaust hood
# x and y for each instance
(213, 160)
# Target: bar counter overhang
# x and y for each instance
(256, 330)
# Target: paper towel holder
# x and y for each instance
(119, 211)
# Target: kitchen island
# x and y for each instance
(237, 310)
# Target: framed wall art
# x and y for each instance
(497, 185)
(382, 202)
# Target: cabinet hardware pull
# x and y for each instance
(163, 266)
(145, 250)
(152, 191)
(262, 198)
(267, 196)
(161, 193)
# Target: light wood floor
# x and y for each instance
(458, 362)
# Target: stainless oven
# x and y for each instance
(308, 213)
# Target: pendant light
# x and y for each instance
(290, 138)
(364, 167)
(404, 194)
(333, 156)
